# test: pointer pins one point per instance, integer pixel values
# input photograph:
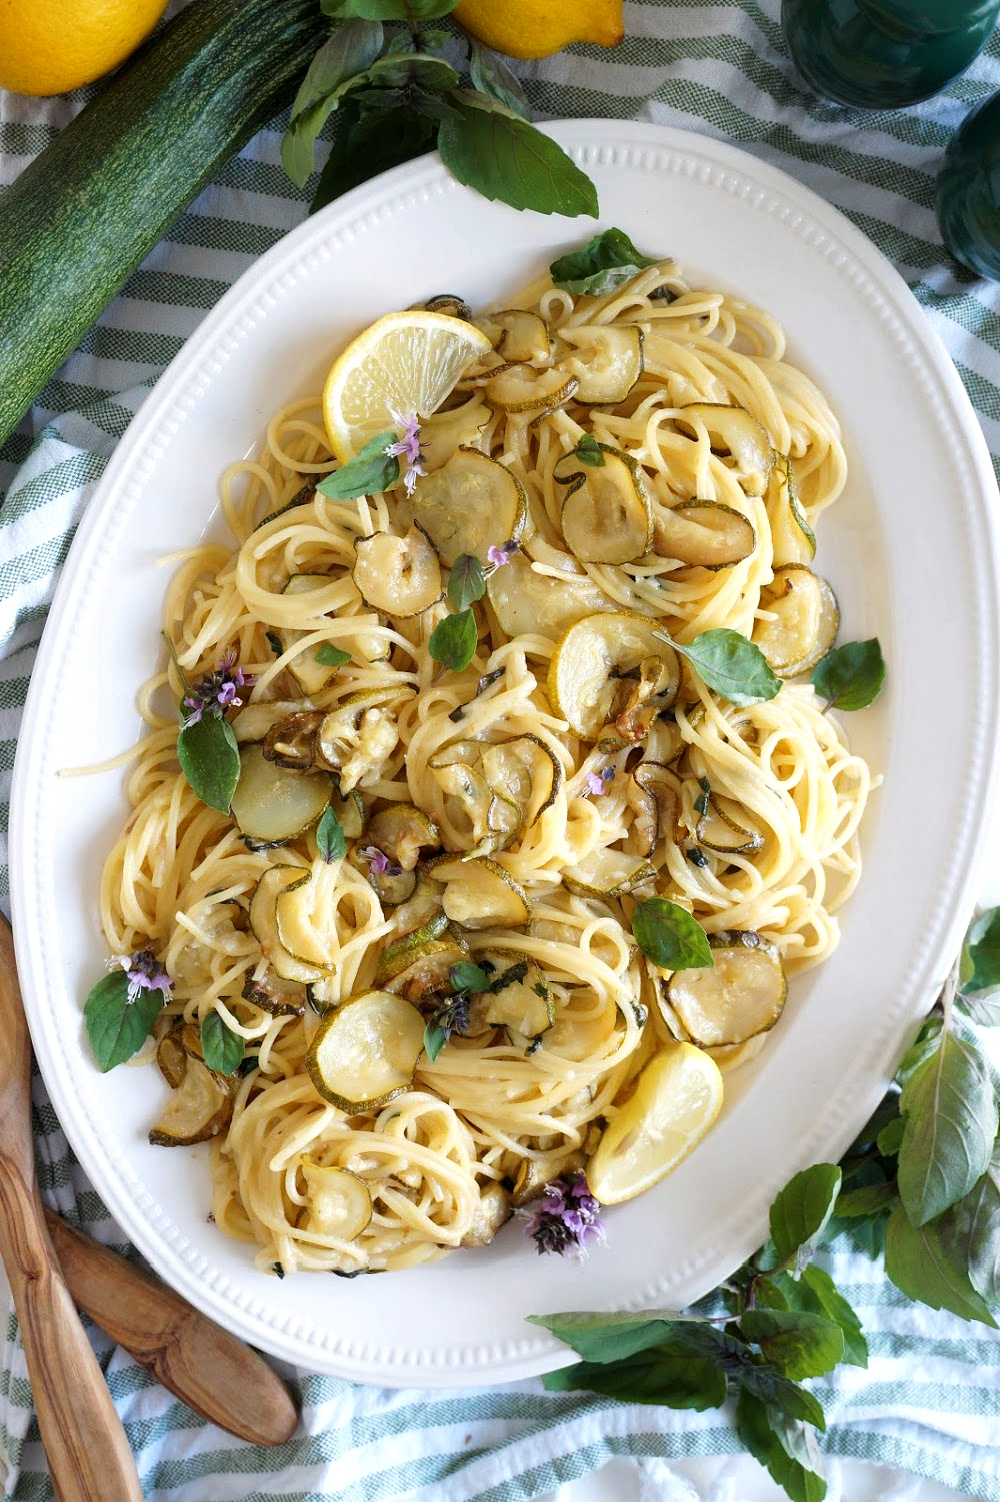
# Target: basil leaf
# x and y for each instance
(982, 1008)
(653, 1376)
(453, 641)
(851, 676)
(604, 263)
(434, 39)
(368, 144)
(984, 951)
(210, 760)
(413, 68)
(925, 1265)
(330, 839)
(730, 665)
(866, 1199)
(390, 10)
(800, 1212)
(491, 75)
(589, 451)
(221, 1049)
(435, 1039)
(603, 1338)
(778, 1392)
(924, 1044)
(890, 1137)
(795, 1343)
(974, 1231)
(490, 148)
(816, 1293)
(466, 581)
(330, 656)
(369, 472)
(465, 976)
(669, 936)
(951, 1124)
(770, 1436)
(274, 642)
(117, 1028)
(335, 69)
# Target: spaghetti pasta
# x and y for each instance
(509, 814)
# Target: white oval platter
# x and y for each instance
(912, 553)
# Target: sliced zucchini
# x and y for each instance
(392, 887)
(607, 873)
(640, 708)
(417, 964)
(365, 1052)
(291, 742)
(171, 1056)
(305, 915)
(703, 533)
(591, 660)
(534, 1173)
(481, 893)
(253, 721)
(719, 829)
(732, 430)
(522, 1002)
(654, 795)
(609, 362)
(525, 770)
(399, 576)
(522, 389)
(806, 620)
(471, 502)
(528, 603)
(351, 811)
(792, 538)
(264, 923)
(339, 1201)
(493, 1211)
(607, 516)
(272, 803)
(517, 334)
(449, 303)
(676, 1099)
(201, 1107)
(356, 739)
(459, 427)
(742, 995)
(494, 819)
(401, 832)
(282, 998)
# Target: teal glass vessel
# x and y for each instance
(883, 54)
(968, 190)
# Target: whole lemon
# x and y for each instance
(52, 46)
(536, 28)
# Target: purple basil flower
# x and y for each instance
(379, 862)
(408, 448)
(597, 782)
(216, 692)
(499, 556)
(453, 1015)
(145, 973)
(565, 1217)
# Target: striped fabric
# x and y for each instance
(930, 1400)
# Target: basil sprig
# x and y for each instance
(117, 1026)
(210, 759)
(604, 263)
(730, 665)
(851, 676)
(395, 95)
(776, 1323)
(668, 935)
(368, 473)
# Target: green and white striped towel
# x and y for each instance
(930, 1400)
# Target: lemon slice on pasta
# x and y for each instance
(677, 1097)
(403, 364)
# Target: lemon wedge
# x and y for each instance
(403, 363)
(677, 1097)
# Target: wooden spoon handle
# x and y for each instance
(209, 1369)
(87, 1451)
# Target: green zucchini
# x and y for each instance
(95, 202)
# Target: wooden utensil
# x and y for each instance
(205, 1366)
(88, 1453)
